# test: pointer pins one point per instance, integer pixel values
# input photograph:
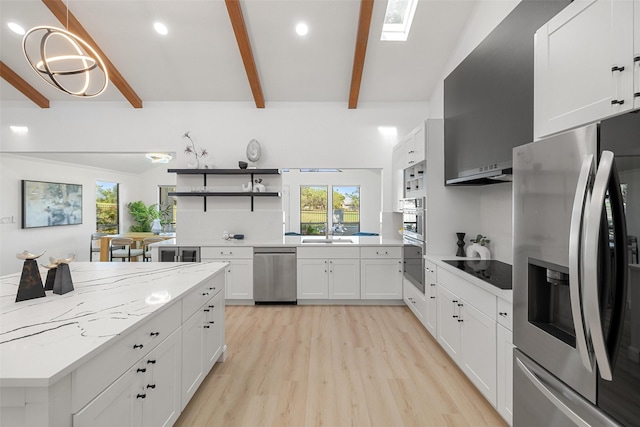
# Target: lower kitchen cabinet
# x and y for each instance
(203, 340)
(466, 327)
(504, 403)
(239, 272)
(148, 394)
(414, 300)
(328, 278)
(381, 273)
(431, 298)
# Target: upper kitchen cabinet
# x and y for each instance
(586, 64)
(414, 147)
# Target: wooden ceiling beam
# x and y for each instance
(59, 10)
(19, 83)
(364, 24)
(240, 30)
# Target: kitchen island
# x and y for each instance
(131, 343)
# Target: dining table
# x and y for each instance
(137, 237)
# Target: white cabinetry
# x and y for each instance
(586, 64)
(414, 146)
(203, 335)
(431, 298)
(147, 394)
(415, 300)
(504, 403)
(467, 330)
(381, 272)
(328, 273)
(239, 272)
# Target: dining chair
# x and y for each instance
(122, 247)
(145, 246)
(95, 245)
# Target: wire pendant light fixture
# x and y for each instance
(65, 61)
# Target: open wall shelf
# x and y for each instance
(205, 194)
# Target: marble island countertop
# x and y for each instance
(43, 339)
(298, 241)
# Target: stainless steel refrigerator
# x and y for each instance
(576, 277)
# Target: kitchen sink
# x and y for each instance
(330, 240)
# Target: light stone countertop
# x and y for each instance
(505, 294)
(44, 339)
(296, 241)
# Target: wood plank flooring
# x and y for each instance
(334, 366)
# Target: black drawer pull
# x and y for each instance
(212, 322)
(455, 301)
(207, 326)
(460, 320)
(616, 68)
(141, 370)
(454, 316)
(138, 346)
(432, 297)
(204, 294)
(206, 309)
(212, 289)
(151, 362)
(617, 102)
(141, 396)
(503, 313)
(151, 386)
(212, 306)
(154, 334)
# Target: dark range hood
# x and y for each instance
(488, 98)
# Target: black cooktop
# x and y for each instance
(496, 273)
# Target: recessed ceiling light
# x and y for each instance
(302, 29)
(161, 28)
(20, 130)
(159, 157)
(16, 28)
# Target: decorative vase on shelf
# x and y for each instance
(156, 227)
(193, 163)
(460, 244)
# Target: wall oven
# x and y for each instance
(413, 258)
(413, 218)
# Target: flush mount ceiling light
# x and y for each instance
(302, 29)
(65, 61)
(16, 28)
(159, 157)
(161, 28)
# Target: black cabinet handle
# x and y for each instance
(207, 326)
(141, 396)
(618, 102)
(212, 322)
(141, 370)
(206, 309)
(460, 320)
(432, 297)
(138, 346)
(454, 316)
(616, 68)
(212, 306)
(154, 334)
(151, 386)
(151, 362)
(637, 94)
(503, 313)
(204, 294)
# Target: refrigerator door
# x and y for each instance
(540, 399)
(546, 177)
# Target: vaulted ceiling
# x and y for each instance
(242, 50)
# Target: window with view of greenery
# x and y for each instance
(317, 219)
(107, 207)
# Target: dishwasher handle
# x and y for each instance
(274, 250)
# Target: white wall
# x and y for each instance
(63, 240)
(491, 205)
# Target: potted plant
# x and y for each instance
(144, 215)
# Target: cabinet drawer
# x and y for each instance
(380, 252)
(203, 293)
(472, 294)
(429, 273)
(333, 252)
(505, 313)
(93, 377)
(226, 252)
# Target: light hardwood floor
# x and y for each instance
(334, 366)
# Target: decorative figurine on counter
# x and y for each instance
(248, 187)
(460, 244)
(478, 247)
(62, 282)
(30, 286)
(258, 187)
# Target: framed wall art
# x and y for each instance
(49, 204)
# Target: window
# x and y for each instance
(315, 217)
(107, 207)
(398, 19)
(168, 204)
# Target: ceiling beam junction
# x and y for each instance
(66, 18)
(21, 84)
(364, 24)
(240, 30)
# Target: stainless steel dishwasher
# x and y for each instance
(274, 275)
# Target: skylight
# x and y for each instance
(398, 19)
